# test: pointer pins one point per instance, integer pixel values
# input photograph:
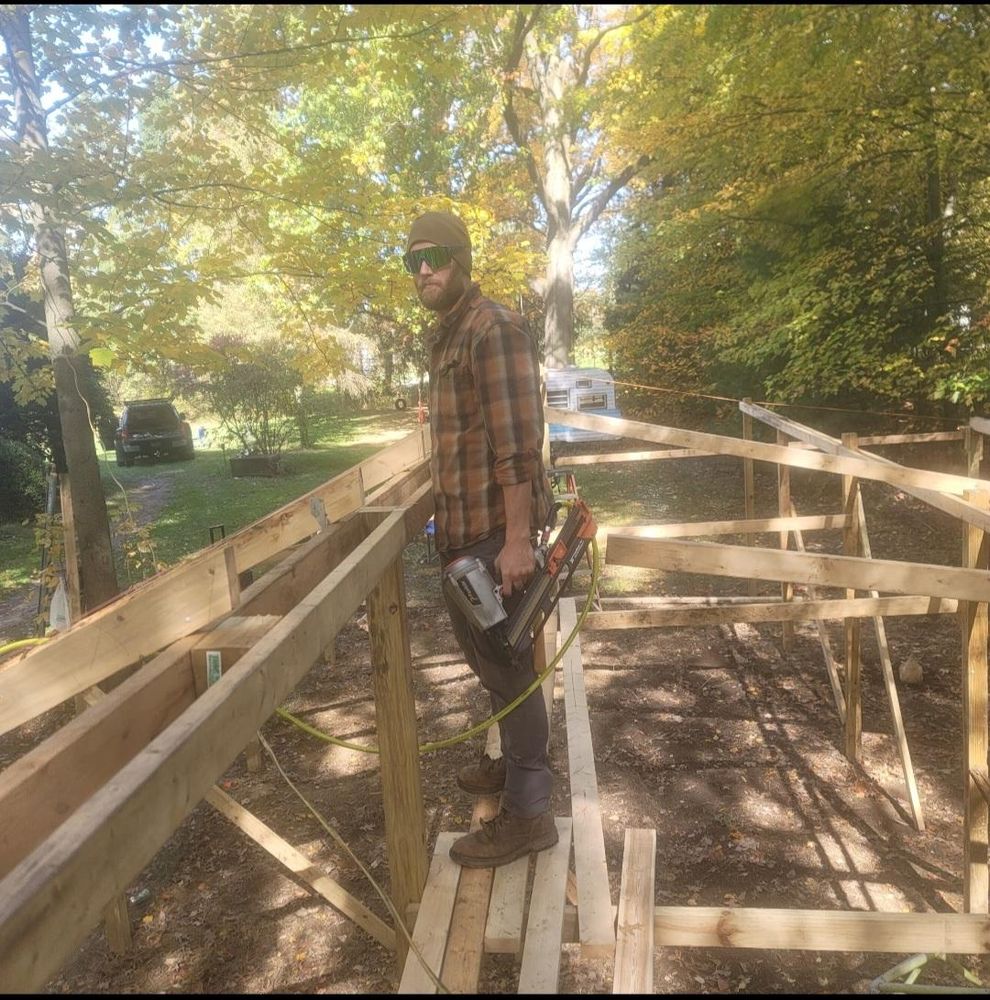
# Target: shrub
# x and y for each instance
(22, 481)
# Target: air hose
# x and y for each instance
(18, 643)
(481, 726)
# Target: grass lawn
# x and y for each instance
(184, 499)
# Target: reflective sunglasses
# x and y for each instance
(436, 258)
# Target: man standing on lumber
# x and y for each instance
(492, 498)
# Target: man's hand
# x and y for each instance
(516, 563)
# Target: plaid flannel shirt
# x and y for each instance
(486, 420)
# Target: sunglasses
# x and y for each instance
(436, 258)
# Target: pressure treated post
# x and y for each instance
(851, 547)
(749, 490)
(973, 619)
(784, 510)
(395, 712)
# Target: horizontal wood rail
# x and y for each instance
(745, 562)
(861, 466)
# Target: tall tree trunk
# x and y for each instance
(559, 302)
(98, 577)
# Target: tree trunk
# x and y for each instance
(559, 302)
(97, 575)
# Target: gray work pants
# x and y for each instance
(524, 730)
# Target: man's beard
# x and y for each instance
(440, 299)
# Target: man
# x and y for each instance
(492, 498)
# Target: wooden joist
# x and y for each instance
(594, 900)
(48, 906)
(749, 526)
(540, 968)
(821, 930)
(634, 456)
(634, 932)
(861, 466)
(429, 936)
(929, 492)
(769, 611)
(885, 575)
(200, 590)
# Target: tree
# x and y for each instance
(97, 575)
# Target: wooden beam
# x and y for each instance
(861, 466)
(823, 640)
(853, 633)
(750, 526)
(633, 456)
(953, 505)
(821, 930)
(982, 781)
(980, 424)
(49, 901)
(395, 713)
(466, 941)
(594, 899)
(432, 919)
(874, 439)
(770, 611)
(890, 685)
(784, 509)
(976, 816)
(742, 561)
(49, 783)
(749, 487)
(634, 932)
(540, 969)
(296, 862)
(147, 618)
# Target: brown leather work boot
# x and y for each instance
(485, 777)
(503, 839)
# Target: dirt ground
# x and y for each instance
(730, 748)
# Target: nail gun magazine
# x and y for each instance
(471, 586)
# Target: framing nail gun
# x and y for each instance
(473, 590)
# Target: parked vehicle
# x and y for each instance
(586, 390)
(152, 428)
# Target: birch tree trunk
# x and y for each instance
(98, 579)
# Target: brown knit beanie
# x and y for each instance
(446, 230)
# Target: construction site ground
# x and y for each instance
(730, 748)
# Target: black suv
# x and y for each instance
(151, 428)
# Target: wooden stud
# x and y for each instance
(853, 633)
(749, 487)
(540, 969)
(432, 919)
(395, 711)
(466, 941)
(860, 466)
(821, 930)
(976, 829)
(304, 869)
(637, 456)
(973, 445)
(890, 685)
(741, 561)
(953, 505)
(767, 525)
(784, 510)
(823, 640)
(769, 611)
(595, 904)
(634, 932)
(910, 438)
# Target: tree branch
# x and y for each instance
(599, 204)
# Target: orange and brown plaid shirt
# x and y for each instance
(486, 420)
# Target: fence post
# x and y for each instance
(395, 712)
(749, 490)
(851, 547)
(784, 510)
(973, 620)
(973, 443)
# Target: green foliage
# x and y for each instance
(255, 394)
(23, 487)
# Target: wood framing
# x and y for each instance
(861, 466)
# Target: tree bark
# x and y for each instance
(97, 575)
